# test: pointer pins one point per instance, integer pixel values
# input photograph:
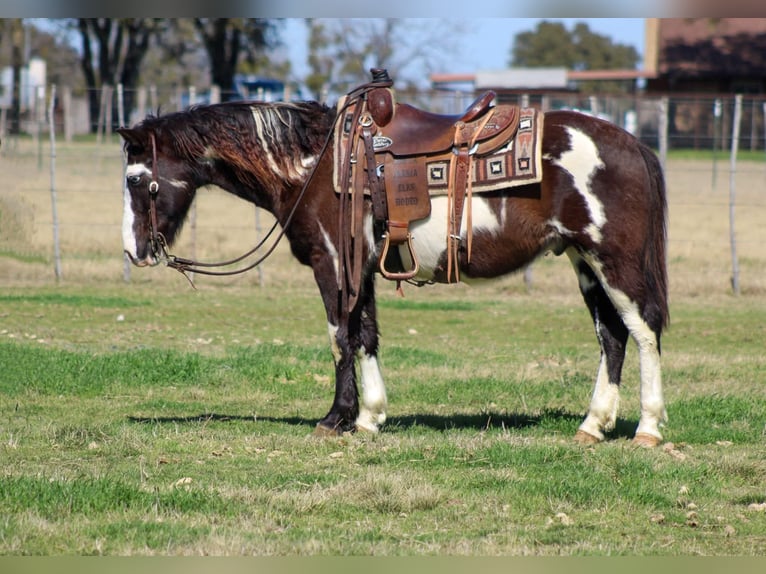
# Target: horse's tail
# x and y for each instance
(656, 312)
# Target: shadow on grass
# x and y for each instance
(555, 420)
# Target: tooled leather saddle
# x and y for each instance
(400, 156)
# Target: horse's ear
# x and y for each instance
(132, 137)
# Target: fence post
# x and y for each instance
(54, 207)
(528, 279)
(39, 121)
(717, 110)
(663, 129)
(215, 94)
(120, 105)
(66, 104)
(121, 121)
(140, 105)
(733, 192)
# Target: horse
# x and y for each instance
(601, 201)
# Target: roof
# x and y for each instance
(528, 78)
(522, 78)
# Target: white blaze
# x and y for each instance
(128, 217)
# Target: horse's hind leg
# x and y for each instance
(645, 331)
(612, 336)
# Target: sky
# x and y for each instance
(486, 44)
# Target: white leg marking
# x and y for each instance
(653, 412)
(372, 411)
(582, 161)
(333, 332)
(602, 413)
(372, 408)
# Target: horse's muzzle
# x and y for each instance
(149, 261)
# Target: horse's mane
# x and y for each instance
(262, 142)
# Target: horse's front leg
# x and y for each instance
(345, 406)
(373, 409)
(354, 336)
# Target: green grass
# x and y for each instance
(185, 427)
(721, 155)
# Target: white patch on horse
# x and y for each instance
(602, 413)
(268, 119)
(264, 130)
(304, 165)
(586, 282)
(333, 332)
(177, 183)
(429, 236)
(582, 161)
(653, 413)
(330, 248)
(129, 243)
(128, 219)
(137, 169)
(560, 228)
(372, 410)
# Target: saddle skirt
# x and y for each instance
(414, 155)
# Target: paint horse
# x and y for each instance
(601, 201)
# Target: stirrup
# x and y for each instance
(403, 275)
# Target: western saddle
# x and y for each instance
(397, 155)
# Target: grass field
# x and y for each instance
(147, 418)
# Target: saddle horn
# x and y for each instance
(380, 100)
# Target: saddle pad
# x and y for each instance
(519, 162)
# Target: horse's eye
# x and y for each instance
(134, 179)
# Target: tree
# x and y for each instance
(112, 52)
(226, 40)
(342, 51)
(551, 44)
(16, 34)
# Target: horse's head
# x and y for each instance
(159, 189)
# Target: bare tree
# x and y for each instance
(229, 40)
(17, 62)
(342, 51)
(112, 52)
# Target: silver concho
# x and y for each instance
(381, 142)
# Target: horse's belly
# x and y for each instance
(429, 236)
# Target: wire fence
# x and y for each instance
(697, 121)
(62, 201)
